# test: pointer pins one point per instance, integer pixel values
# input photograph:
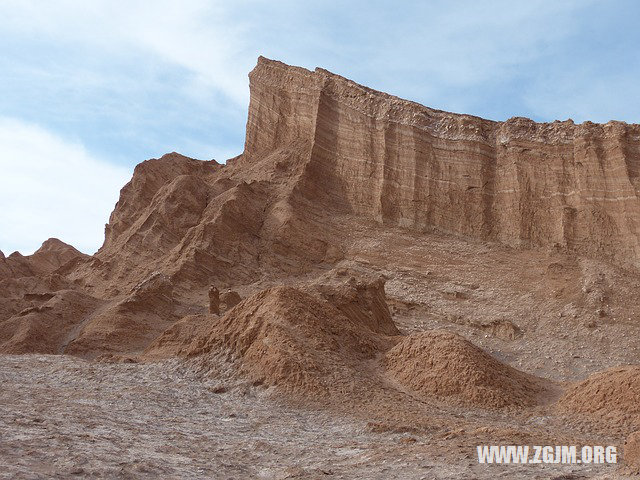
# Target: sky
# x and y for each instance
(90, 89)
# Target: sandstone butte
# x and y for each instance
(520, 237)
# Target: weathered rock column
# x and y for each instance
(214, 300)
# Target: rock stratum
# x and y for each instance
(400, 163)
(364, 243)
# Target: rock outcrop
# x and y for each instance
(214, 300)
(52, 255)
(400, 163)
(230, 299)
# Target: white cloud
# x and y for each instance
(196, 35)
(444, 44)
(52, 187)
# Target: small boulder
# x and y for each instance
(230, 299)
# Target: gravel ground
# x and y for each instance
(62, 417)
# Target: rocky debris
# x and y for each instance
(500, 328)
(504, 329)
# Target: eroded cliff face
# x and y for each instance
(517, 182)
(328, 168)
(320, 146)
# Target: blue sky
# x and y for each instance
(89, 89)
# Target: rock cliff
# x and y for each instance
(517, 182)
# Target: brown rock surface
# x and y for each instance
(632, 452)
(610, 398)
(230, 299)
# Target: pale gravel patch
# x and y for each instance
(62, 417)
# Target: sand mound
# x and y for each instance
(613, 389)
(287, 337)
(445, 365)
(611, 397)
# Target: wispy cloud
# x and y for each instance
(200, 36)
(51, 187)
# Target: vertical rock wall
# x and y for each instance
(517, 182)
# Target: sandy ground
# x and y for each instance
(63, 417)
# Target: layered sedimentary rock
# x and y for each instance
(518, 182)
